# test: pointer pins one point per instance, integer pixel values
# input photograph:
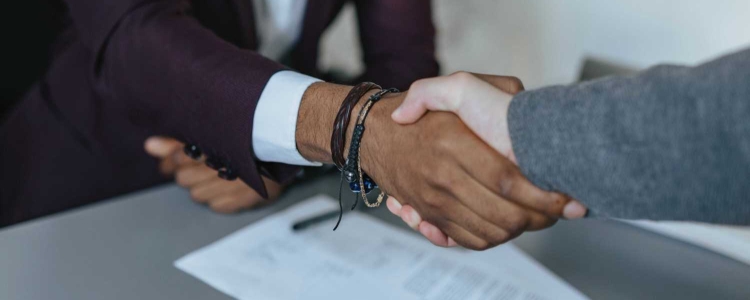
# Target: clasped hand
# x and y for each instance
(452, 170)
(479, 197)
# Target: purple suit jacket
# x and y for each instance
(126, 69)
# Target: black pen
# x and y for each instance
(315, 220)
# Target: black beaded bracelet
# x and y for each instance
(352, 170)
(359, 182)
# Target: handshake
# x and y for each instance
(450, 173)
(457, 181)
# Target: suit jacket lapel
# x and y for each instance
(318, 15)
(246, 13)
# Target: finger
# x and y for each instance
(167, 166)
(453, 92)
(193, 175)
(438, 93)
(393, 205)
(177, 160)
(503, 178)
(211, 189)
(273, 188)
(434, 234)
(538, 221)
(463, 237)
(520, 190)
(161, 147)
(410, 216)
(459, 214)
(236, 202)
(492, 209)
(477, 102)
(509, 84)
(181, 159)
(429, 231)
(574, 210)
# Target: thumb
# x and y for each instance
(161, 147)
(438, 93)
(447, 93)
(411, 109)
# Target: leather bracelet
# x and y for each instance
(338, 137)
(359, 182)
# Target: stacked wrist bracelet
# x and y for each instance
(351, 168)
(338, 139)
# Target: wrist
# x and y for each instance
(320, 104)
(315, 118)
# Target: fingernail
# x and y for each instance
(574, 210)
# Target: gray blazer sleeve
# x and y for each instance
(671, 143)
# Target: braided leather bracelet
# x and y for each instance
(338, 137)
(359, 182)
(350, 168)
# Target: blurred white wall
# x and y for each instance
(544, 41)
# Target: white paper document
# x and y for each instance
(364, 259)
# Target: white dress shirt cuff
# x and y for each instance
(275, 120)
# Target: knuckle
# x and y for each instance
(433, 202)
(507, 181)
(516, 223)
(417, 86)
(444, 143)
(462, 81)
(462, 77)
(444, 179)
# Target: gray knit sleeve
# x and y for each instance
(670, 143)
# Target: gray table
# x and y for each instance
(124, 248)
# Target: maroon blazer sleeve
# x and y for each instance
(398, 41)
(175, 77)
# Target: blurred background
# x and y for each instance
(547, 42)
(541, 42)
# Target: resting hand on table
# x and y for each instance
(205, 186)
(482, 102)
